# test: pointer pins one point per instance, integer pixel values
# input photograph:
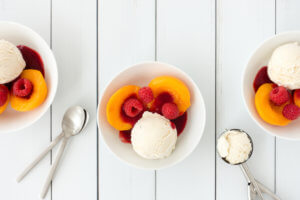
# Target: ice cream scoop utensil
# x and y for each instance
(254, 187)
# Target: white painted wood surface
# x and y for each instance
(74, 43)
(126, 37)
(210, 40)
(183, 41)
(288, 161)
(241, 27)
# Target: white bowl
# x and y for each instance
(11, 120)
(141, 75)
(259, 58)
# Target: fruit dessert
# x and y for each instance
(277, 86)
(150, 118)
(22, 77)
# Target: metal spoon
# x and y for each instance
(74, 120)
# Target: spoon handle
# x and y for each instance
(53, 168)
(40, 157)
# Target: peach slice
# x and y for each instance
(268, 111)
(114, 107)
(296, 97)
(38, 95)
(175, 87)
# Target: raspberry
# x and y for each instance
(146, 94)
(279, 95)
(22, 88)
(132, 107)
(291, 111)
(3, 94)
(170, 110)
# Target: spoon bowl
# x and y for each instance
(74, 120)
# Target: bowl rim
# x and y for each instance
(54, 66)
(188, 153)
(250, 57)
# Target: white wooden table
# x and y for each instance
(210, 40)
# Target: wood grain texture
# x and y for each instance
(126, 37)
(19, 148)
(186, 39)
(74, 44)
(241, 27)
(288, 161)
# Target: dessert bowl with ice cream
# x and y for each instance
(271, 85)
(28, 76)
(151, 115)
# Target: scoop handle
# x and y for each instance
(40, 157)
(53, 168)
(250, 177)
(267, 191)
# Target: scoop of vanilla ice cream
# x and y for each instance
(153, 137)
(284, 66)
(11, 62)
(235, 146)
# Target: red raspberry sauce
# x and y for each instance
(125, 136)
(180, 123)
(261, 78)
(32, 58)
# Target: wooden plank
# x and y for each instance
(19, 148)
(74, 44)
(126, 37)
(186, 38)
(241, 26)
(288, 161)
